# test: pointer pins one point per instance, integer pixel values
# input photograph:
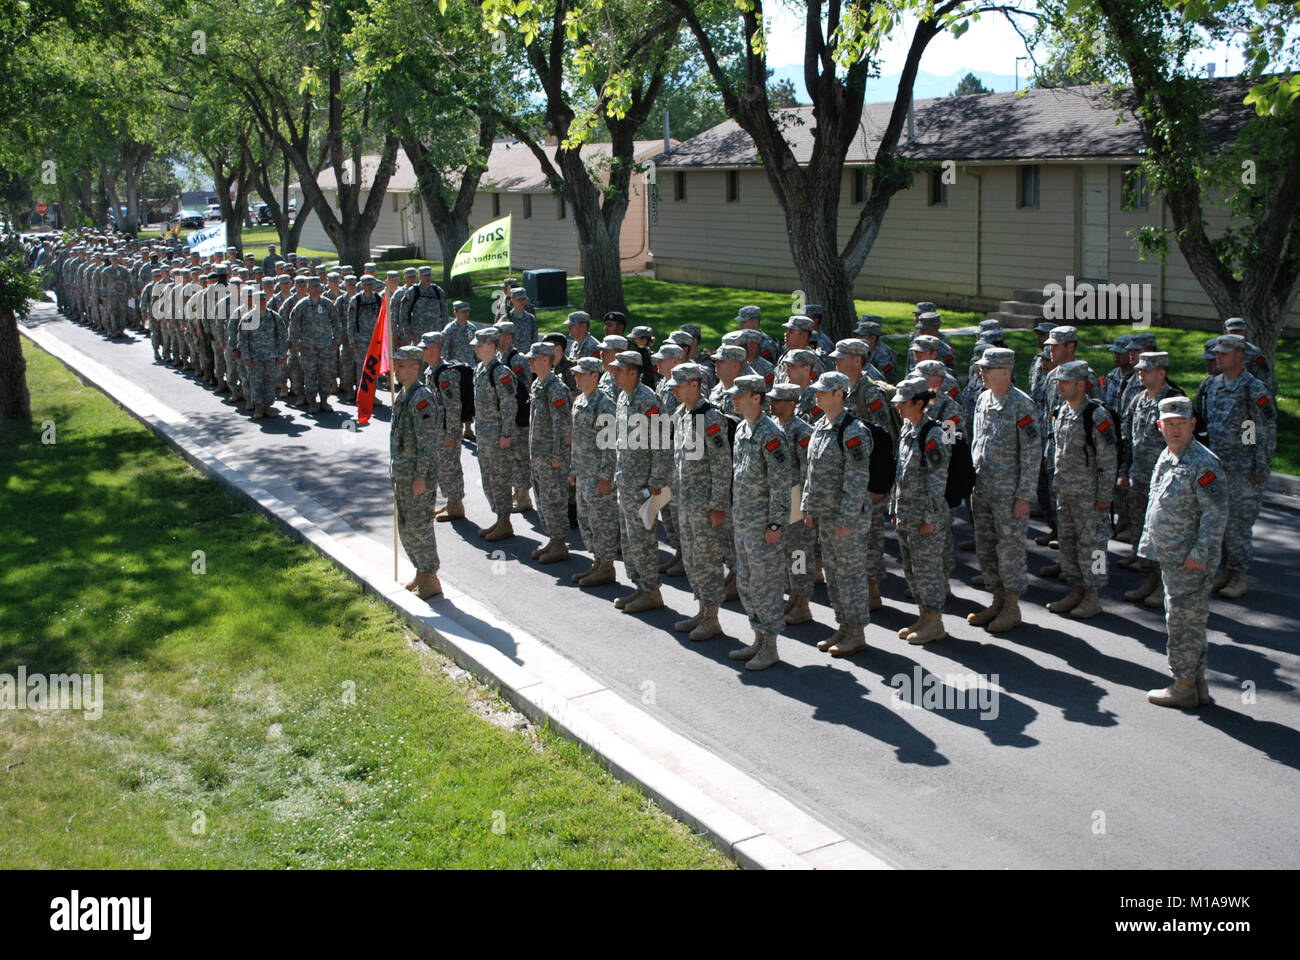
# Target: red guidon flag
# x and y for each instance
(377, 362)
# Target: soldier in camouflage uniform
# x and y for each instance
(1063, 343)
(396, 305)
(800, 541)
(495, 405)
(359, 326)
(665, 360)
(316, 332)
(550, 434)
(836, 502)
(297, 389)
(1183, 533)
(263, 339)
(1084, 469)
(581, 342)
(517, 313)
(424, 307)
(413, 470)
(946, 410)
(642, 471)
(1243, 435)
(763, 467)
(521, 463)
(458, 343)
(1138, 343)
(592, 464)
(701, 483)
(751, 318)
(882, 355)
(154, 285)
(443, 380)
(798, 335)
(610, 348)
(117, 290)
(1006, 452)
(1254, 362)
(920, 510)
(234, 309)
(927, 325)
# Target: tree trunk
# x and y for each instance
(822, 273)
(15, 400)
(451, 237)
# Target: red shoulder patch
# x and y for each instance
(559, 402)
(876, 406)
(1206, 478)
(1259, 360)
(422, 404)
(506, 379)
(804, 441)
(773, 444)
(769, 378)
(888, 367)
(1024, 421)
(713, 428)
(931, 445)
(954, 393)
(1103, 426)
(816, 410)
(444, 384)
(1262, 402)
(853, 442)
(652, 411)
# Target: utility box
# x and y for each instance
(547, 288)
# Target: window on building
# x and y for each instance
(859, 185)
(733, 186)
(1028, 196)
(559, 208)
(1134, 194)
(496, 205)
(528, 206)
(680, 181)
(938, 190)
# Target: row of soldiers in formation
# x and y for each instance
(1085, 446)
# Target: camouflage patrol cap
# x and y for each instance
(813, 310)
(432, 338)
(1142, 341)
(268, 281)
(540, 349)
(1120, 344)
(930, 320)
(369, 281)
(250, 256)
(684, 372)
(1074, 370)
(371, 267)
(1063, 335)
(614, 342)
(998, 357)
(867, 328)
(333, 275)
(1045, 326)
(313, 283)
(301, 277)
(486, 335)
(505, 327)
(931, 368)
(426, 271)
(831, 380)
(912, 387)
(924, 306)
(459, 305)
(750, 312)
(642, 332)
(682, 338)
(1234, 325)
(408, 271)
(627, 358)
(1153, 361)
(588, 365)
(668, 351)
(1209, 353)
(578, 316)
(351, 278)
(1173, 408)
(519, 293)
(851, 347)
(694, 330)
(799, 321)
(283, 280)
(408, 353)
(290, 255)
(784, 391)
(1230, 342)
(157, 271)
(736, 337)
(750, 336)
(926, 342)
(750, 383)
(393, 275)
(988, 326)
(729, 352)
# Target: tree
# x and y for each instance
(968, 85)
(18, 287)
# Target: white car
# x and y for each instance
(212, 212)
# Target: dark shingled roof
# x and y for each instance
(1041, 124)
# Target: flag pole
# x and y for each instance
(392, 404)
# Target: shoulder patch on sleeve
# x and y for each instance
(422, 404)
(773, 444)
(954, 393)
(1262, 401)
(1207, 478)
(816, 411)
(1024, 421)
(713, 428)
(853, 442)
(1103, 426)
(804, 441)
(876, 405)
(652, 411)
(931, 445)
(506, 379)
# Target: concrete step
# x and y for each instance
(1028, 295)
(1015, 321)
(1021, 308)
(393, 251)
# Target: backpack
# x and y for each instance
(523, 397)
(466, 373)
(883, 469)
(895, 418)
(731, 422)
(961, 468)
(1090, 408)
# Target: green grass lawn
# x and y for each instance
(264, 713)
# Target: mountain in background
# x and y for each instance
(927, 84)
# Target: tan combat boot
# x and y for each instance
(676, 567)
(1069, 601)
(904, 631)
(931, 628)
(987, 615)
(452, 510)
(556, 550)
(538, 551)
(1155, 600)
(834, 638)
(1235, 586)
(648, 600)
(502, 530)
(1050, 572)
(1149, 585)
(1089, 606)
(577, 577)
(429, 586)
(1008, 616)
(622, 602)
(798, 612)
(523, 502)
(744, 653)
(853, 642)
(1202, 689)
(414, 583)
(690, 623)
(766, 655)
(733, 592)
(663, 567)
(1220, 579)
(708, 627)
(873, 595)
(1180, 693)
(601, 573)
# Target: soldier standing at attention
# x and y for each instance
(1254, 361)
(424, 307)
(516, 311)
(314, 326)
(1183, 533)
(443, 380)
(494, 425)
(1243, 435)
(362, 315)
(592, 477)
(701, 482)
(581, 342)
(1083, 437)
(521, 462)
(800, 542)
(665, 360)
(1006, 453)
(836, 503)
(550, 434)
(413, 470)
(261, 348)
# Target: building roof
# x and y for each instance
(1040, 124)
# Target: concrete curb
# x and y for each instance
(745, 820)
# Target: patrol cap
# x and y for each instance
(799, 322)
(1142, 341)
(513, 281)
(393, 275)
(540, 349)
(686, 371)
(300, 278)
(157, 271)
(1234, 325)
(578, 316)
(750, 312)
(1153, 361)
(924, 306)
(784, 391)
(998, 357)
(1121, 344)
(926, 342)
(559, 339)
(681, 338)
(268, 281)
(283, 280)
(505, 327)
(368, 281)
(735, 336)
(1045, 326)
(232, 250)
(639, 332)
(1173, 408)
(409, 272)
(750, 383)
(519, 293)
(989, 326)
(459, 305)
(486, 335)
(615, 342)
(831, 380)
(728, 352)
(1209, 353)
(750, 336)
(1074, 370)
(333, 275)
(627, 358)
(694, 330)
(426, 271)
(290, 255)
(1063, 335)
(1230, 342)
(668, 351)
(851, 347)
(992, 337)
(588, 365)
(408, 353)
(868, 328)
(813, 310)
(371, 267)
(800, 356)
(250, 256)
(912, 387)
(313, 282)
(928, 320)
(270, 246)
(930, 368)
(431, 339)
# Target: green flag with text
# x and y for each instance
(488, 247)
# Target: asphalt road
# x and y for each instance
(1072, 768)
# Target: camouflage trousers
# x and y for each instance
(801, 546)
(156, 338)
(1084, 532)
(259, 380)
(494, 468)
(415, 524)
(923, 563)
(451, 478)
(640, 546)
(761, 577)
(552, 485)
(949, 555)
(358, 363)
(845, 562)
(117, 316)
(317, 368)
(597, 519)
(348, 369)
(521, 465)
(235, 372)
(999, 540)
(1244, 503)
(1187, 608)
(219, 362)
(669, 518)
(1046, 498)
(1136, 504)
(296, 385)
(702, 553)
(876, 539)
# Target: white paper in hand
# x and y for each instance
(796, 494)
(649, 511)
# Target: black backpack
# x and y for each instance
(523, 398)
(961, 468)
(731, 422)
(882, 469)
(466, 373)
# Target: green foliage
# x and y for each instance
(18, 286)
(969, 84)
